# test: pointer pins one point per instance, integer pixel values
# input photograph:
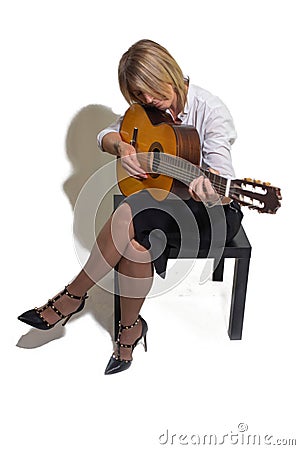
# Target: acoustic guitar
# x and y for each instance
(170, 154)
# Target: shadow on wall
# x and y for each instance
(86, 159)
(82, 150)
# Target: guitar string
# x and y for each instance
(188, 173)
(185, 175)
(173, 171)
(186, 179)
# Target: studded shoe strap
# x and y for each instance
(50, 304)
(128, 327)
(76, 297)
(121, 328)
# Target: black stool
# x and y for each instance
(239, 249)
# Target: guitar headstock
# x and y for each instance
(256, 194)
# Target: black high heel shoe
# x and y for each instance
(34, 318)
(116, 364)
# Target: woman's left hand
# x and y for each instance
(202, 190)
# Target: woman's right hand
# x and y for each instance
(129, 160)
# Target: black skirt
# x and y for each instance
(162, 225)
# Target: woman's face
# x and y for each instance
(166, 101)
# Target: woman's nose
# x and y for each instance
(148, 98)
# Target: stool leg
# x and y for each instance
(218, 270)
(117, 309)
(239, 289)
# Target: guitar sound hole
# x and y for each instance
(156, 149)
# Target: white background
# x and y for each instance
(59, 69)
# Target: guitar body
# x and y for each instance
(155, 131)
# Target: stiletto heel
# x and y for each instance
(70, 315)
(117, 364)
(34, 317)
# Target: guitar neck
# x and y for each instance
(186, 172)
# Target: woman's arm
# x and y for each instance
(112, 143)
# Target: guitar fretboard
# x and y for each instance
(186, 172)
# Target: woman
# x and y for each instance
(148, 74)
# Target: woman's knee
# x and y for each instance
(121, 223)
(137, 253)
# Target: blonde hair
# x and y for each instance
(148, 67)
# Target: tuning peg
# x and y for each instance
(248, 179)
(257, 181)
(267, 183)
